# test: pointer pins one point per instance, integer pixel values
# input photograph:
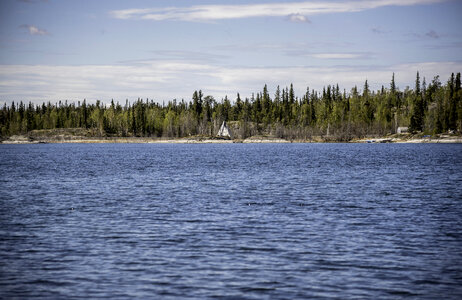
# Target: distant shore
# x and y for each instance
(24, 139)
(440, 139)
(19, 139)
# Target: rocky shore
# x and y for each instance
(413, 139)
(19, 139)
(88, 136)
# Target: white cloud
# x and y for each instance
(298, 18)
(178, 79)
(34, 30)
(220, 12)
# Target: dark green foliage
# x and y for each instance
(433, 109)
(417, 117)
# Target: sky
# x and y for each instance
(52, 50)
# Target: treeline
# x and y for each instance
(432, 108)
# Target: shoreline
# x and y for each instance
(442, 139)
(413, 140)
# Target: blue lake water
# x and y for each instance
(231, 221)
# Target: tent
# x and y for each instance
(224, 131)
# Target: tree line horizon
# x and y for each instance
(431, 109)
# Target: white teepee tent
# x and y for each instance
(224, 131)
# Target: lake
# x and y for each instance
(231, 221)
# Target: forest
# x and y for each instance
(430, 108)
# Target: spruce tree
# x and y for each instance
(458, 101)
(452, 103)
(417, 115)
(84, 113)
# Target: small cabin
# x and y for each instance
(402, 130)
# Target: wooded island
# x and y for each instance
(431, 108)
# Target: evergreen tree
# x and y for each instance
(417, 116)
(458, 101)
(133, 115)
(84, 114)
(452, 104)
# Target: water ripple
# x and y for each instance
(282, 221)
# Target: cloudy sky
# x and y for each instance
(54, 50)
